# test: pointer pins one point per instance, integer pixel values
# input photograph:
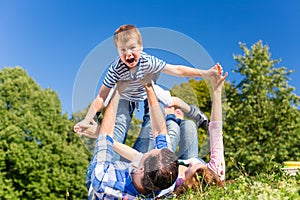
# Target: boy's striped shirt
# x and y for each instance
(119, 71)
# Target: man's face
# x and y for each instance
(129, 52)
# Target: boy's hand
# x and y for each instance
(80, 126)
(92, 131)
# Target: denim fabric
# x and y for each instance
(174, 133)
(122, 124)
(145, 141)
(188, 144)
(184, 135)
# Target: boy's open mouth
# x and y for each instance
(130, 60)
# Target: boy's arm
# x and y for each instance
(107, 125)
(97, 105)
(184, 71)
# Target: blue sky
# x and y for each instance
(51, 39)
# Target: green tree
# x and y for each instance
(134, 131)
(40, 156)
(262, 116)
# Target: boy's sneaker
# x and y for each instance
(200, 118)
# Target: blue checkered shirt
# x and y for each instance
(112, 180)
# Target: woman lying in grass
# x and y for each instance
(213, 173)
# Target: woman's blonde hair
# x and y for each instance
(202, 177)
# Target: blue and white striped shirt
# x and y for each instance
(119, 71)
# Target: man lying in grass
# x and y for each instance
(147, 174)
(197, 173)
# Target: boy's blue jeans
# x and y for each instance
(183, 134)
(145, 142)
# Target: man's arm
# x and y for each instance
(109, 117)
(125, 151)
(184, 71)
(157, 119)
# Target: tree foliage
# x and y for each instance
(40, 157)
(262, 116)
(134, 131)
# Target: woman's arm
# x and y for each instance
(217, 83)
(217, 161)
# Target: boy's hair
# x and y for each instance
(160, 170)
(126, 32)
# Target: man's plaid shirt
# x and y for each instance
(112, 180)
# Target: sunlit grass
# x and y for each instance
(263, 186)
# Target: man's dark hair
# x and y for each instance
(160, 170)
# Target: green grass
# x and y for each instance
(263, 186)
